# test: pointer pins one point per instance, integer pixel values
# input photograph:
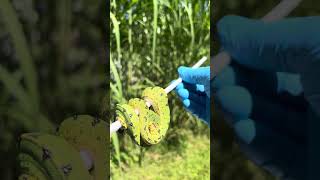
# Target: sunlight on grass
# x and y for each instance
(193, 163)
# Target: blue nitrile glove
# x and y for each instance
(194, 91)
(272, 92)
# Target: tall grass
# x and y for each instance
(189, 10)
(117, 90)
(27, 65)
(149, 41)
(116, 31)
(155, 28)
(27, 106)
(116, 87)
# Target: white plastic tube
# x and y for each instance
(283, 9)
(179, 80)
(115, 126)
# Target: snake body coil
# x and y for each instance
(146, 126)
(57, 157)
(49, 157)
(88, 134)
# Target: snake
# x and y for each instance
(57, 156)
(89, 134)
(146, 125)
(49, 157)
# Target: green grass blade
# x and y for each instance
(130, 31)
(21, 48)
(115, 143)
(155, 27)
(116, 75)
(188, 8)
(116, 30)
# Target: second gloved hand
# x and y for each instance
(194, 91)
(270, 92)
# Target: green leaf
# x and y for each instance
(116, 30)
(116, 75)
(115, 142)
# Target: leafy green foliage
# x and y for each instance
(149, 41)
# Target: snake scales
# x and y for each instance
(57, 157)
(146, 126)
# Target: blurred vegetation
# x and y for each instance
(51, 57)
(149, 40)
(228, 161)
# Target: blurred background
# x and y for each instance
(52, 66)
(149, 40)
(228, 161)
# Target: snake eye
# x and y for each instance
(130, 115)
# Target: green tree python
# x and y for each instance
(58, 156)
(146, 125)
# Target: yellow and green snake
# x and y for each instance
(146, 126)
(58, 157)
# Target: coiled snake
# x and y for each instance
(58, 157)
(146, 126)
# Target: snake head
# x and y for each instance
(129, 120)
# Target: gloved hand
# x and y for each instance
(194, 91)
(272, 92)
